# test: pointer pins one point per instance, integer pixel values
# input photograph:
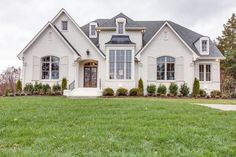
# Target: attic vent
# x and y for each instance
(165, 35)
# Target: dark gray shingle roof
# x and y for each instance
(189, 36)
(120, 39)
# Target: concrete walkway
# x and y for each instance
(220, 107)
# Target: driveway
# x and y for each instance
(220, 107)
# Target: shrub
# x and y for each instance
(18, 86)
(64, 84)
(215, 94)
(173, 89)
(29, 88)
(56, 88)
(46, 89)
(196, 87)
(108, 92)
(122, 92)
(140, 87)
(151, 89)
(161, 89)
(38, 88)
(202, 93)
(133, 92)
(184, 89)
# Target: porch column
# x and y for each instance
(76, 74)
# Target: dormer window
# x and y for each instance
(64, 25)
(92, 30)
(120, 27)
(202, 45)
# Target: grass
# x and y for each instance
(60, 127)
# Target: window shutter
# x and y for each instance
(179, 69)
(215, 72)
(36, 69)
(152, 71)
(63, 69)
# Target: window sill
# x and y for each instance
(162, 81)
(50, 80)
(206, 82)
(117, 80)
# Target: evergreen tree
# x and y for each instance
(227, 42)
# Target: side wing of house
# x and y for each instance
(48, 58)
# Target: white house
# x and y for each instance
(117, 52)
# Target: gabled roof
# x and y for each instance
(112, 22)
(49, 24)
(152, 27)
(79, 28)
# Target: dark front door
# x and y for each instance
(90, 76)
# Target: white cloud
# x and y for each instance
(21, 20)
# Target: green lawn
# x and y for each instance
(56, 126)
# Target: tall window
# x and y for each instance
(165, 68)
(204, 45)
(64, 25)
(205, 72)
(93, 29)
(50, 67)
(120, 64)
(120, 27)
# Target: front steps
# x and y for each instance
(83, 93)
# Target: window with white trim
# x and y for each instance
(120, 27)
(92, 30)
(120, 62)
(165, 68)
(205, 72)
(64, 25)
(50, 67)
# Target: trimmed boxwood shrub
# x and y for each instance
(215, 94)
(122, 92)
(202, 93)
(133, 92)
(184, 89)
(108, 92)
(140, 87)
(161, 89)
(151, 89)
(56, 88)
(29, 88)
(173, 89)
(196, 87)
(46, 89)
(38, 88)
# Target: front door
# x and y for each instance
(90, 77)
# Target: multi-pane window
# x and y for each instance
(50, 67)
(204, 45)
(120, 27)
(120, 64)
(93, 29)
(165, 68)
(205, 72)
(64, 25)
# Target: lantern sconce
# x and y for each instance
(87, 52)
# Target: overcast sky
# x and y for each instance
(20, 20)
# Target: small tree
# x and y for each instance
(18, 86)
(196, 87)
(63, 84)
(140, 87)
(151, 89)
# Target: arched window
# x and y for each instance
(50, 67)
(165, 68)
